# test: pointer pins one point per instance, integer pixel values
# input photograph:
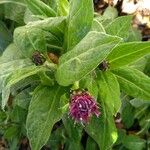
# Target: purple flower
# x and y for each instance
(83, 106)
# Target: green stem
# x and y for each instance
(75, 85)
(50, 65)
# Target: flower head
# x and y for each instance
(83, 106)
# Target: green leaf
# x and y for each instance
(10, 61)
(18, 2)
(44, 110)
(29, 17)
(46, 79)
(103, 20)
(53, 4)
(14, 78)
(14, 10)
(79, 22)
(38, 7)
(147, 68)
(57, 138)
(39, 35)
(3, 116)
(141, 64)
(85, 57)
(89, 82)
(143, 119)
(11, 53)
(138, 102)
(10, 66)
(134, 35)
(18, 115)
(133, 142)
(103, 129)
(119, 26)
(97, 26)
(5, 37)
(121, 136)
(74, 131)
(23, 73)
(11, 132)
(91, 145)
(133, 82)
(127, 53)
(109, 90)
(127, 113)
(62, 8)
(1, 12)
(23, 99)
(110, 13)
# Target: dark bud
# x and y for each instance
(37, 58)
(96, 1)
(104, 65)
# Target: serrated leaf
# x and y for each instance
(119, 26)
(109, 90)
(44, 110)
(79, 22)
(38, 7)
(84, 57)
(39, 35)
(127, 53)
(103, 129)
(133, 82)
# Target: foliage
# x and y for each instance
(79, 51)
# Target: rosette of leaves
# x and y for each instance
(81, 42)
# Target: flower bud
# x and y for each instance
(82, 107)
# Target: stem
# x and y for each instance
(51, 66)
(75, 85)
(65, 108)
(54, 46)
